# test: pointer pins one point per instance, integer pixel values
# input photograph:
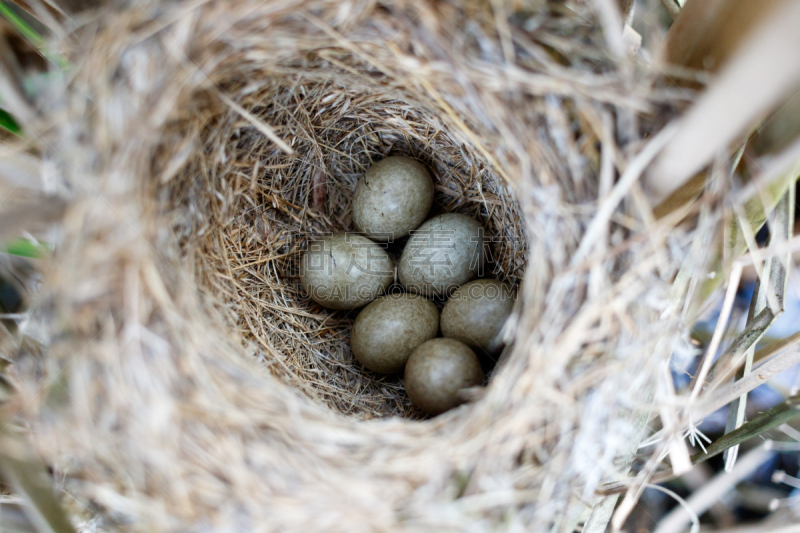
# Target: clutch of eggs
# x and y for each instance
(397, 332)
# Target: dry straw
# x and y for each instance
(188, 383)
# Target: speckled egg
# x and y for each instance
(392, 198)
(390, 328)
(476, 312)
(345, 271)
(442, 254)
(438, 371)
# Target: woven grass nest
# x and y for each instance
(190, 385)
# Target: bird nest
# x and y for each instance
(191, 384)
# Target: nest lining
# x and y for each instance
(250, 208)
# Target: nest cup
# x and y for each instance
(248, 235)
(205, 389)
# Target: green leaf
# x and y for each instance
(26, 248)
(32, 35)
(7, 122)
(23, 27)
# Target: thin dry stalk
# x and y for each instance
(768, 295)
